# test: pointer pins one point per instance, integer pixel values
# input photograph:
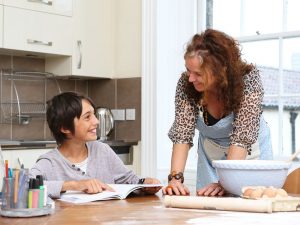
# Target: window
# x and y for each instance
(271, 40)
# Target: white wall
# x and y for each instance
(175, 27)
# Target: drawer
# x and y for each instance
(60, 7)
(33, 31)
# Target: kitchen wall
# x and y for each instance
(112, 93)
(124, 94)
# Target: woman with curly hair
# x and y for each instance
(221, 96)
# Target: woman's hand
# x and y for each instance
(213, 189)
(90, 186)
(151, 190)
(175, 187)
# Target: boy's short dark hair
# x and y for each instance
(61, 112)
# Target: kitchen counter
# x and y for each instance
(149, 210)
(119, 143)
(31, 144)
(26, 144)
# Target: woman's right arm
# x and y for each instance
(179, 157)
(181, 134)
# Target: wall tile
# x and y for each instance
(66, 85)
(129, 97)
(120, 94)
(5, 62)
(103, 92)
(81, 86)
(5, 131)
(52, 88)
(28, 64)
(32, 131)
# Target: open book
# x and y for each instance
(121, 192)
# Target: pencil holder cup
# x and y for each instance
(7, 193)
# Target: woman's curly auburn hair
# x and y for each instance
(220, 54)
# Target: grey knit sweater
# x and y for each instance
(103, 164)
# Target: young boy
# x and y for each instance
(80, 162)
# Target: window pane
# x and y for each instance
(261, 53)
(227, 20)
(293, 18)
(288, 132)
(259, 18)
(271, 116)
(291, 124)
(247, 17)
(291, 54)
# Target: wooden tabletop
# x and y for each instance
(146, 210)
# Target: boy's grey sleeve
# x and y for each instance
(122, 175)
(44, 167)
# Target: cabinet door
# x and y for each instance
(93, 38)
(61, 7)
(36, 31)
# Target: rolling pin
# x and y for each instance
(219, 203)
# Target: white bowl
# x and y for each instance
(236, 174)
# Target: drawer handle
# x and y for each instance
(80, 54)
(36, 42)
(46, 2)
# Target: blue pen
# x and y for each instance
(10, 173)
(22, 194)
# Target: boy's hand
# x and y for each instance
(151, 190)
(90, 186)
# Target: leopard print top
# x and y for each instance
(246, 120)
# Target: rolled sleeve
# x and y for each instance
(121, 174)
(247, 119)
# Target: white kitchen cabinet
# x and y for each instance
(128, 41)
(93, 41)
(33, 31)
(136, 159)
(60, 7)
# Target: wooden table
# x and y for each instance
(147, 210)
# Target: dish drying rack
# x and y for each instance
(21, 112)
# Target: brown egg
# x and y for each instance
(256, 193)
(269, 192)
(248, 192)
(281, 193)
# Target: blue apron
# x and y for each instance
(213, 144)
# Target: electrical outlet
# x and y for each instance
(130, 114)
(118, 114)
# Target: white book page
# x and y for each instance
(121, 192)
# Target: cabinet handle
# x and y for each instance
(46, 2)
(80, 54)
(36, 42)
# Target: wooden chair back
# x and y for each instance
(292, 183)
